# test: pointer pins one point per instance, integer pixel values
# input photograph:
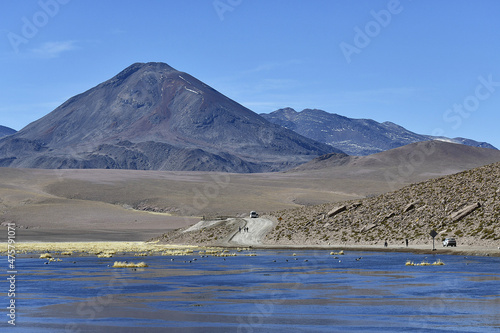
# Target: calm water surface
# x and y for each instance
(271, 292)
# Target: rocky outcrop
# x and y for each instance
(409, 207)
(368, 227)
(355, 205)
(457, 216)
(336, 211)
(388, 216)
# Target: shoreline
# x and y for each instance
(472, 251)
(233, 237)
(90, 248)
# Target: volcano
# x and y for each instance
(153, 117)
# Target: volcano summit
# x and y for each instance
(153, 117)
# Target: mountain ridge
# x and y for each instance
(358, 137)
(5, 131)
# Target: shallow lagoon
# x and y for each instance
(271, 292)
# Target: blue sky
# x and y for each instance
(430, 66)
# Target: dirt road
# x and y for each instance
(257, 230)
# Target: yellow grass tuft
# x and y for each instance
(96, 248)
(423, 263)
(45, 256)
(124, 264)
(104, 255)
(211, 252)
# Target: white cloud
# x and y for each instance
(54, 49)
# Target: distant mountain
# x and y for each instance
(4, 131)
(408, 164)
(469, 142)
(151, 116)
(427, 156)
(353, 136)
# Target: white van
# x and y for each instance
(253, 214)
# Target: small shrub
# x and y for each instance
(124, 264)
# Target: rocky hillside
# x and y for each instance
(356, 137)
(152, 116)
(464, 205)
(4, 131)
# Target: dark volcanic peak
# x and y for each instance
(353, 136)
(156, 67)
(4, 131)
(170, 111)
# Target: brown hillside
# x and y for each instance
(398, 167)
(464, 205)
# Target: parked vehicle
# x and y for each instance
(449, 242)
(254, 214)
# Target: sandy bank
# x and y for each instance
(148, 248)
(465, 250)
